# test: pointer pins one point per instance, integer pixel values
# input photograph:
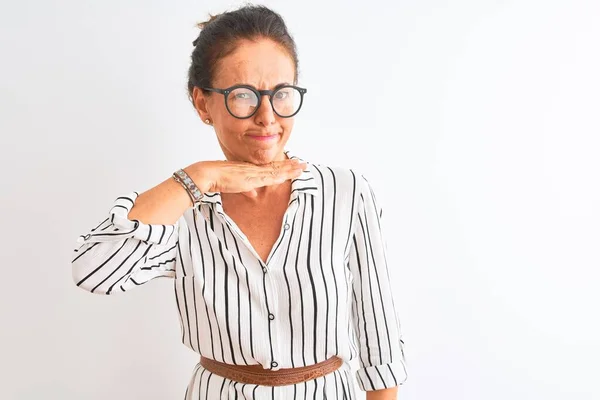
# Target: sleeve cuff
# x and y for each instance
(122, 227)
(382, 376)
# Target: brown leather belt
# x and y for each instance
(257, 375)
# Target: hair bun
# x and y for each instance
(211, 18)
(203, 25)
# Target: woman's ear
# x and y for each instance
(200, 103)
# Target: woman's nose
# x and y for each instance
(265, 113)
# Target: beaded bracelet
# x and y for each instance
(190, 187)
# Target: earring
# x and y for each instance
(207, 121)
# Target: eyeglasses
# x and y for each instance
(243, 101)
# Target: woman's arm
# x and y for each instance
(383, 394)
(375, 320)
(139, 240)
(120, 253)
(163, 204)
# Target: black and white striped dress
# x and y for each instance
(325, 289)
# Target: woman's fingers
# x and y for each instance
(270, 175)
(241, 177)
(283, 175)
(285, 171)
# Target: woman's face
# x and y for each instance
(261, 138)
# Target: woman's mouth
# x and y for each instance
(263, 137)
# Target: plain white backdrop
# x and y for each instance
(476, 122)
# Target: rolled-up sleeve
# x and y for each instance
(120, 254)
(375, 320)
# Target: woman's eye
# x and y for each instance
(281, 95)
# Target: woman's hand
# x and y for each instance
(242, 177)
(167, 201)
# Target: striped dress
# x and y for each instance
(324, 291)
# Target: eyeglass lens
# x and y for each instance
(242, 101)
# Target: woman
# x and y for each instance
(279, 266)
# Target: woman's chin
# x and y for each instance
(265, 156)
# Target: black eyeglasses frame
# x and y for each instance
(259, 94)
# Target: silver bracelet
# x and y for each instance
(188, 184)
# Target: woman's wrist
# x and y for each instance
(198, 173)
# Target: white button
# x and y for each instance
(82, 239)
(271, 317)
(286, 226)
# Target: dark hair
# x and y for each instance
(220, 36)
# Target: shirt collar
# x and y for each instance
(305, 183)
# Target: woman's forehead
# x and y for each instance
(257, 64)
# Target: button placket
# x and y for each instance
(292, 209)
(289, 215)
(272, 305)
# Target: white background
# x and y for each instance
(476, 122)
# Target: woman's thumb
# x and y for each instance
(250, 193)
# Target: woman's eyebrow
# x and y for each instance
(274, 87)
(281, 84)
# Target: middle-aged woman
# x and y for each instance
(279, 265)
